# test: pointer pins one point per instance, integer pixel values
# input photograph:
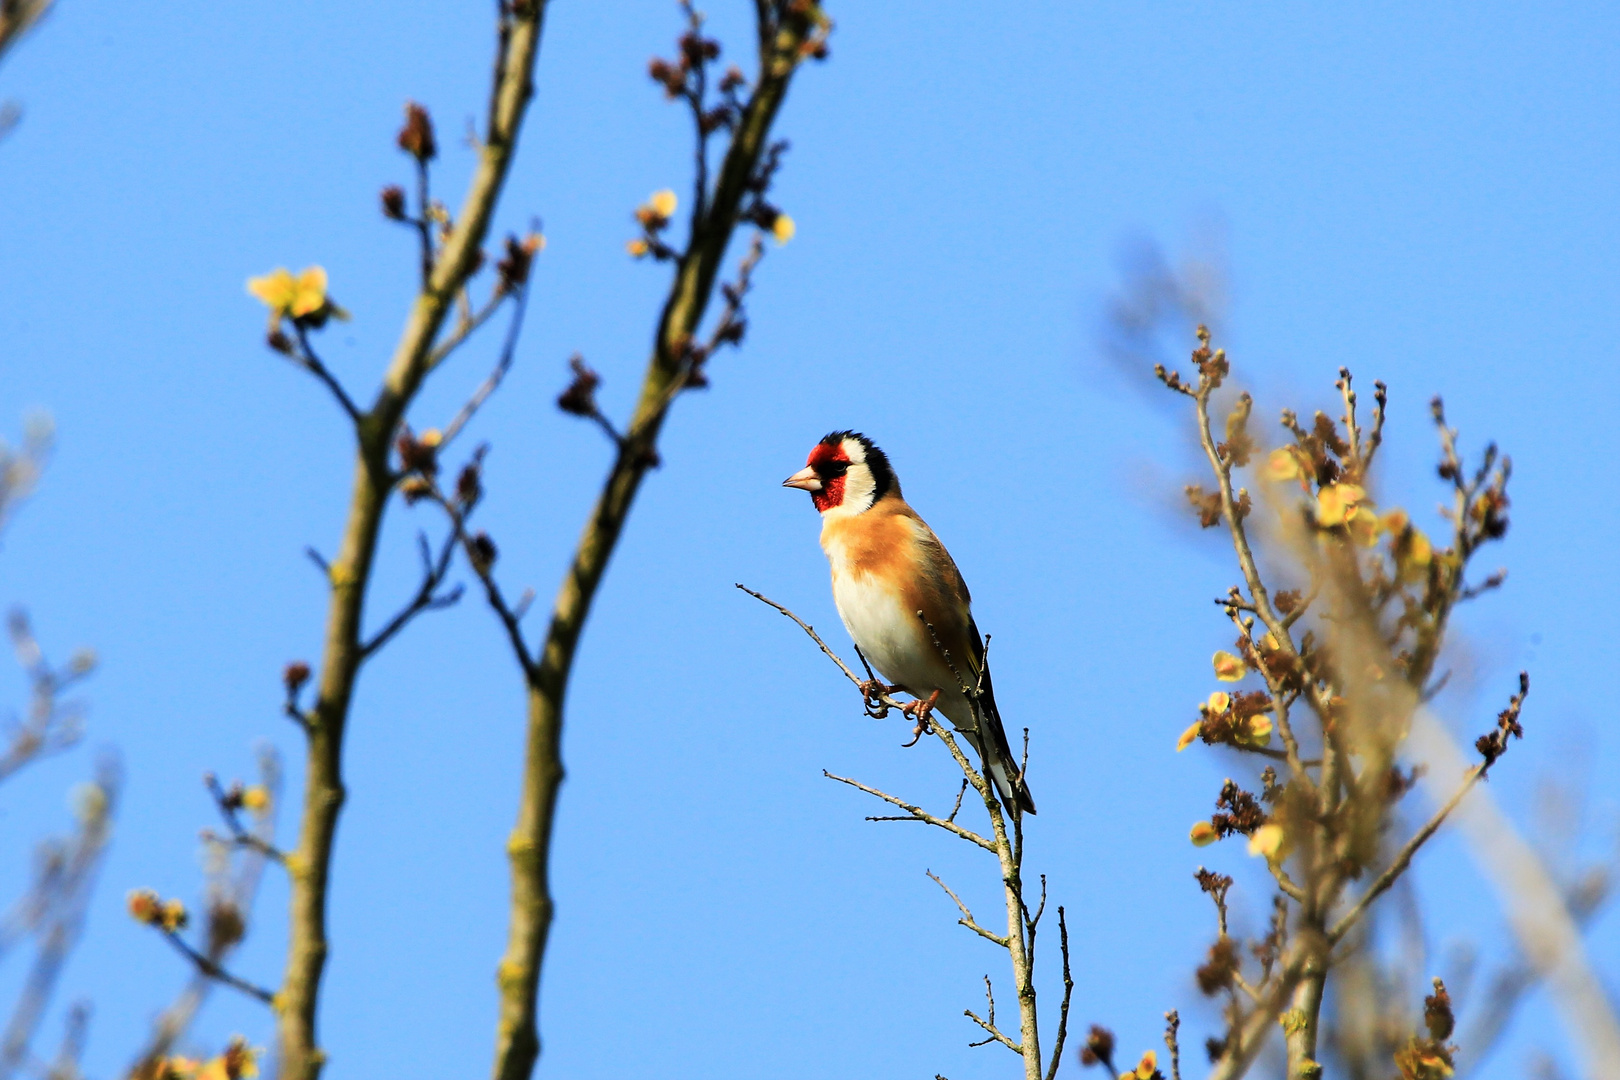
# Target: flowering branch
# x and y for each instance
(451, 254)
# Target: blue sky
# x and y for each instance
(1426, 194)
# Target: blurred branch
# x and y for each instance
(20, 468)
(51, 725)
(1508, 989)
(55, 912)
(1535, 907)
(233, 886)
(17, 17)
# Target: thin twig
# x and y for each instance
(967, 919)
(1403, 858)
(312, 363)
(502, 366)
(916, 812)
(993, 1033)
(216, 972)
(1068, 992)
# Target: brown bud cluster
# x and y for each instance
(416, 136)
(580, 397)
(1206, 505)
(1215, 974)
(1211, 365)
(1494, 745)
(419, 454)
(294, 676)
(1430, 1058)
(1241, 812)
(393, 202)
(481, 550)
(514, 265)
(1098, 1049)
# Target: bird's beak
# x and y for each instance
(805, 478)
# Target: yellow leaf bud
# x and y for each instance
(1203, 834)
(1188, 736)
(663, 203)
(783, 228)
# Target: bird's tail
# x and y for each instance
(997, 756)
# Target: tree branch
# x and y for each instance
(309, 866)
(669, 368)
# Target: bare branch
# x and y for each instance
(916, 813)
(967, 919)
(993, 1033)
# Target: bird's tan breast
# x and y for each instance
(882, 577)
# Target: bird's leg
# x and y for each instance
(920, 710)
(872, 691)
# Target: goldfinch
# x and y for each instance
(887, 565)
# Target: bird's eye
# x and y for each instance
(832, 469)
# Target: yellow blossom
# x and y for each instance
(1283, 464)
(298, 297)
(637, 248)
(1188, 736)
(256, 799)
(1413, 554)
(1268, 841)
(430, 439)
(783, 228)
(1363, 524)
(1218, 702)
(1144, 1069)
(239, 1059)
(176, 1068)
(144, 906)
(1256, 731)
(1336, 502)
(663, 203)
(1229, 668)
(1395, 521)
(1203, 834)
(173, 916)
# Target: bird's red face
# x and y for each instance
(844, 474)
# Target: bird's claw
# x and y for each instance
(919, 710)
(872, 694)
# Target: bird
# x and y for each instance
(887, 567)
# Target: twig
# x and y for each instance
(312, 364)
(215, 971)
(466, 326)
(1172, 1024)
(993, 1033)
(434, 569)
(916, 812)
(1068, 992)
(967, 919)
(822, 645)
(502, 366)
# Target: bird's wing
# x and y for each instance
(959, 634)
